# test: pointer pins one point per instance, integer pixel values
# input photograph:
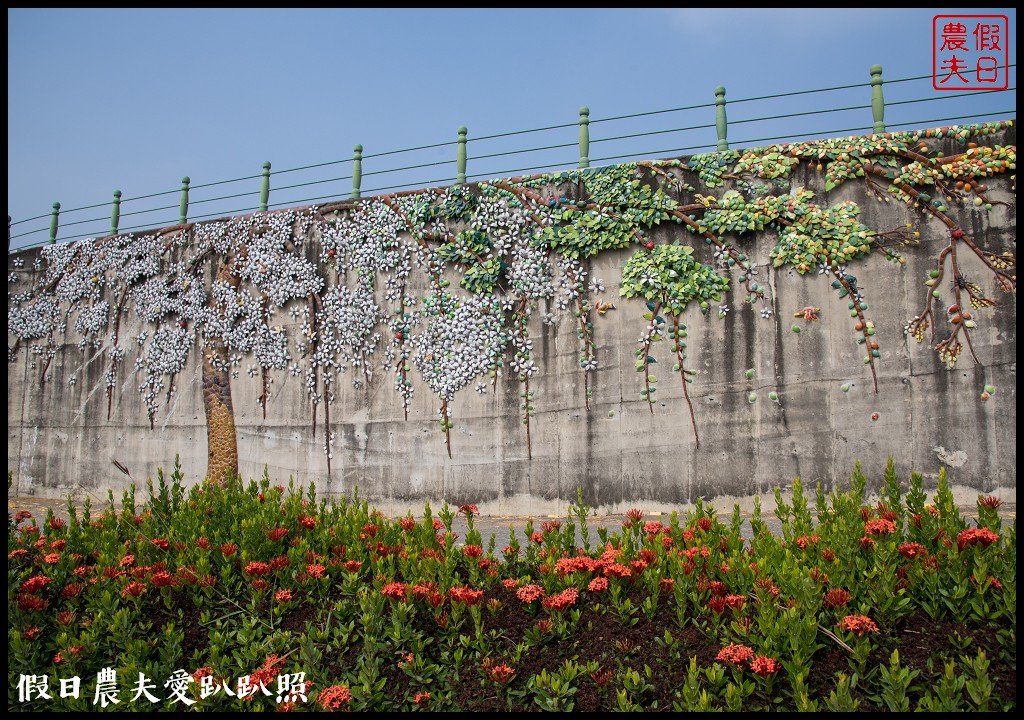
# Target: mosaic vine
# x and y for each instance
(491, 255)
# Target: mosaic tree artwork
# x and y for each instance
(350, 275)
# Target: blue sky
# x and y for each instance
(135, 99)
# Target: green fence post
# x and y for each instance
(183, 209)
(53, 222)
(357, 170)
(877, 101)
(460, 178)
(115, 213)
(721, 123)
(584, 137)
(265, 188)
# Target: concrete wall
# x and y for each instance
(622, 455)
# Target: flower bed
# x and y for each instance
(258, 597)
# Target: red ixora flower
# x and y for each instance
(422, 699)
(465, 595)
(976, 536)
(879, 527)
(228, 549)
(35, 583)
(161, 543)
(764, 665)
(562, 600)
(334, 697)
(315, 570)
(858, 624)
(598, 585)
(277, 533)
(394, 590)
(912, 550)
(283, 596)
(31, 632)
(990, 502)
(57, 523)
(635, 514)
(838, 597)
(472, 551)
(257, 568)
(407, 524)
(529, 593)
(735, 654)
(469, 510)
(133, 589)
(162, 579)
(307, 521)
(500, 673)
(27, 601)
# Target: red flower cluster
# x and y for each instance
(803, 541)
(990, 502)
(35, 583)
(283, 596)
(162, 579)
(228, 549)
(394, 590)
(27, 601)
(836, 598)
(315, 570)
(975, 536)
(57, 523)
(736, 655)
(618, 570)
(307, 521)
(422, 699)
(764, 665)
(353, 565)
(277, 533)
(529, 593)
(161, 543)
(635, 514)
(472, 551)
(133, 589)
(73, 590)
(736, 602)
(465, 595)
(879, 527)
(510, 583)
(257, 568)
(912, 550)
(562, 600)
(858, 624)
(407, 524)
(469, 510)
(501, 673)
(598, 584)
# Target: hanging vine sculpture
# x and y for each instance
(344, 272)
